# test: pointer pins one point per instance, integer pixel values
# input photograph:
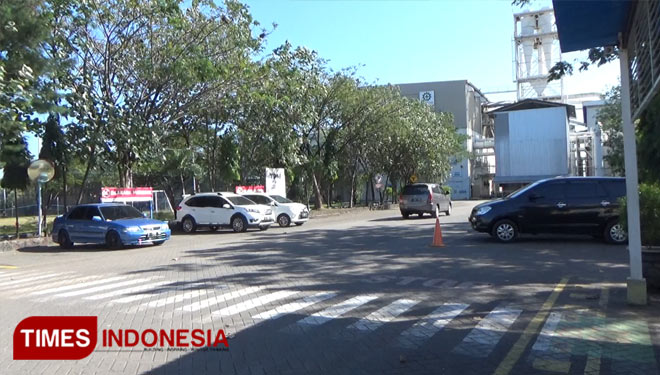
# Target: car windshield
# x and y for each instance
(523, 189)
(111, 213)
(281, 199)
(240, 201)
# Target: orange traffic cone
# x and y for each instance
(437, 234)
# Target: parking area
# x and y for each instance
(361, 292)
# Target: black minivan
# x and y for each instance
(569, 205)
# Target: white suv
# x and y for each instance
(286, 211)
(227, 210)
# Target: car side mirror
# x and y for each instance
(226, 205)
(96, 218)
(273, 203)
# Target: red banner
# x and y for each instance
(137, 194)
(55, 337)
(250, 189)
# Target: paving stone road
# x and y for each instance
(358, 293)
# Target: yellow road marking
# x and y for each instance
(8, 267)
(532, 328)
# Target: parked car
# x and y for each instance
(570, 205)
(115, 225)
(285, 210)
(422, 198)
(222, 210)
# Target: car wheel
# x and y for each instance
(113, 241)
(614, 233)
(448, 212)
(188, 225)
(213, 228)
(405, 215)
(64, 240)
(239, 224)
(505, 231)
(420, 214)
(263, 227)
(284, 220)
(158, 243)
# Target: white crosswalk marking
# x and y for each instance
(428, 326)
(10, 275)
(133, 289)
(173, 299)
(42, 277)
(221, 298)
(294, 306)
(337, 310)
(78, 285)
(255, 302)
(545, 337)
(101, 288)
(483, 338)
(381, 316)
(50, 284)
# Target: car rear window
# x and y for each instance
(415, 190)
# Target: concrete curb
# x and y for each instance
(23, 242)
(327, 212)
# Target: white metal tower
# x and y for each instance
(536, 50)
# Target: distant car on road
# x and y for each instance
(423, 198)
(115, 225)
(285, 210)
(569, 205)
(222, 210)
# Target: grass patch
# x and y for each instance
(26, 224)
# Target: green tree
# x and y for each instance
(609, 116)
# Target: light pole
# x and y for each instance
(40, 171)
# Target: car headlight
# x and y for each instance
(269, 212)
(253, 210)
(132, 229)
(483, 210)
(164, 227)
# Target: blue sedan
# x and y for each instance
(112, 224)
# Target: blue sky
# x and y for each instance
(413, 41)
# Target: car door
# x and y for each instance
(215, 211)
(95, 230)
(223, 214)
(543, 208)
(200, 207)
(440, 198)
(584, 198)
(74, 224)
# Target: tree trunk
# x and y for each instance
(317, 191)
(16, 210)
(350, 204)
(64, 188)
(183, 185)
(86, 175)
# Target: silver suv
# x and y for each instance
(424, 198)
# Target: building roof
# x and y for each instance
(535, 104)
(586, 24)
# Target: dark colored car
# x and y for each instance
(112, 224)
(568, 205)
(423, 198)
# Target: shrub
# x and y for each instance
(649, 213)
(446, 189)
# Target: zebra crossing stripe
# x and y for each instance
(221, 298)
(51, 284)
(78, 286)
(173, 299)
(32, 279)
(544, 340)
(483, 338)
(101, 288)
(294, 306)
(120, 292)
(255, 302)
(337, 310)
(381, 316)
(9, 275)
(431, 324)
